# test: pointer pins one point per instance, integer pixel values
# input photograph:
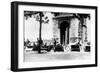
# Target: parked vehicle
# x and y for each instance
(58, 48)
(74, 46)
(87, 49)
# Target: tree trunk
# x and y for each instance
(39, 51)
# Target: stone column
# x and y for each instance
(73, 31)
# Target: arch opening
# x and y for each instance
(64, 33)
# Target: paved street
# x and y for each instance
(50, 56)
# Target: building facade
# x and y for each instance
(71, 28)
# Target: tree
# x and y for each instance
(39, 17)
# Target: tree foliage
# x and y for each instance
(37, 16)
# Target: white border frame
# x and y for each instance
(22, 64)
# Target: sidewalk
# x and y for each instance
(51, 56)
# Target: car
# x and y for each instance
(74, 47)
(87, 48)
(59, 48)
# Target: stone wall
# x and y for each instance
(56, 31)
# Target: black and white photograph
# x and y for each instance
(53, 36)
